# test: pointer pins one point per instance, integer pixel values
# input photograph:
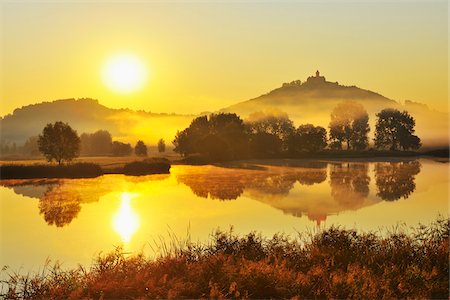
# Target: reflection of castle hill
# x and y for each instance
(395, 180)
(349, 184)
(229, 184)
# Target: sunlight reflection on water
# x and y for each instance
(74, 219)
(126, 221)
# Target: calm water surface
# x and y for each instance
(72, 220)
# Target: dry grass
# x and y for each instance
(335, 263)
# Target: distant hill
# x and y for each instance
(313, 100)
(88, 115)
(305, 102)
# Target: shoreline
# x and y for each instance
(91, 167)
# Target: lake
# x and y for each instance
(72, 220)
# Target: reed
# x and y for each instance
(334, 263)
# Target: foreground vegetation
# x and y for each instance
(334, 263)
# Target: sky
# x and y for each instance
(203, 56)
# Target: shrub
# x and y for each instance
(147, 166)
(78, 170)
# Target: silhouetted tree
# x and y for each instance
(206, 134)
(187, 141)
(59, 142)
(276, 123)
(394, 130)
(101, 142)
(97, 143)
(349, 124)
(140, 149)
(121, 149)
(395, 180)
(85, 144)
(161, 146)
(310, 138)
(264, 144)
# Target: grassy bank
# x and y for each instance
(83, 170)
(335, 263)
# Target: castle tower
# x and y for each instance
(316, 79)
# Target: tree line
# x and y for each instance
(226, 136)
(59, 142)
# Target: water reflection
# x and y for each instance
(349, 183)
(229, 184)
(396, 179)
(60, 200)
(126, 221)
(301, 190)
(59, 206)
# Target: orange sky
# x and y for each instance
(205, 56)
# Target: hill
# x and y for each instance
(313, 100)
(88, 115)
(305, 102)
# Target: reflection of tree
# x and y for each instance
(396, 180)
(226, 184)
(60, 199)
(272, 184)
(59, 206)
(312, 176)
(218, 186)
(349, 183)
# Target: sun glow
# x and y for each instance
(126, 221)
(124, 73)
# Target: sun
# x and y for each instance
(124, 73)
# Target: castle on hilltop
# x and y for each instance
(312, 80)
(316, 79)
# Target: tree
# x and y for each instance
(207, 132)
(310, 138)
(161, 146)
(59, 142)
(85, 144)
(97, 143)
(140, 149)
(264, 144)
(101, 141)
(273, 122)
(395, 129)
(349, 124)
(121, 149)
